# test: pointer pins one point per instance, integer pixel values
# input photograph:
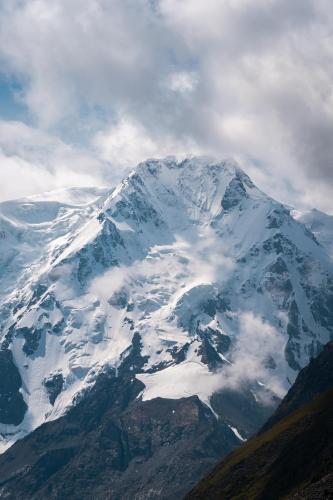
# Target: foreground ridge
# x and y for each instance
(293, 455)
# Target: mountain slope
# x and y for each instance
(291, 460)
(315, 379)
(114, 445)
(320, 224)
(293, 457)
(229, 295)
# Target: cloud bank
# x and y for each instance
(113, 82)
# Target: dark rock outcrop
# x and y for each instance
(113, 445)
(54, 385)
(12, 405)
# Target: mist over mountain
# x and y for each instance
(161, 322)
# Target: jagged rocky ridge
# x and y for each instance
(224, 288)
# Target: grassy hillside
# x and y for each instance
(293, 459)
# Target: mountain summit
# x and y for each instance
(213, 284)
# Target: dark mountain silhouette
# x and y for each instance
(292, 457)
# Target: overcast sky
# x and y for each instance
(89, 88)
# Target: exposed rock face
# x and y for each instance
(54, 385)
(12, 405)
(112, 445)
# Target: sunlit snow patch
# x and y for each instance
(237, 434)
(186, 379)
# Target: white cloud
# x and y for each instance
(32, 162)
(257, 342)
(241, 78)
(128, 143)
(103, 287)
(182, 81)
(125, 144)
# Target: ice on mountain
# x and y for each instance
(158, 274)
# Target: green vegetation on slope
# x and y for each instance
(286, 460)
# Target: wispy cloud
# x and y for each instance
(256, 345)
(33, 161)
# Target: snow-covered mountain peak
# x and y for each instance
(192, 176)
(178, 194)
(209, 281)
